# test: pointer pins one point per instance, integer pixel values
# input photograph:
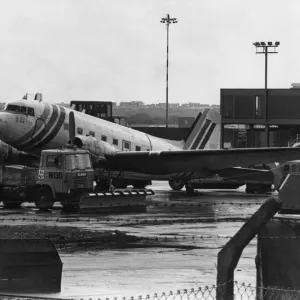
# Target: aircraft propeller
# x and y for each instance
(71, 127)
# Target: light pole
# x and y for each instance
(167, 20)
(266, 48)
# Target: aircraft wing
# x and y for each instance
(169, 162)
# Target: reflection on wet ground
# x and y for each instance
(205, 221)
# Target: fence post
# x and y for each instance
(230, 254)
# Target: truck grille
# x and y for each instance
(80, 182)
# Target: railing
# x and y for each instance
(293, 141)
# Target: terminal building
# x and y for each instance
(248, 120)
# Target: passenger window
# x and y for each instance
(79, 130)
(23, 109)
(103, 138)
(115, 142)
(30, 111)
(126, 145)
(137, 148)
(92, 133)
(294, 168)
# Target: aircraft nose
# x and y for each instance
(5, 133)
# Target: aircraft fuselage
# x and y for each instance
(33, 126)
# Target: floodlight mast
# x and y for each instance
(167, 20)
(266, 48)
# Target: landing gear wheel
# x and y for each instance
(176, 185)
(189, 190)
(43, 198)
(70, 207)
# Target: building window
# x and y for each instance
(103, 138)
(115, 142)
(79, 130)
(137, 148)
(227, 108)
(92, 133)
(258, 107)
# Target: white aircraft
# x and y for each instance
(125, 153)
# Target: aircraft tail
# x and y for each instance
(205, 131)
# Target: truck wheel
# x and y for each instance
(176, 185)
(140, 184)
(43, 198)
(11, 203)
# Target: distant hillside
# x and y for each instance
(148, 115)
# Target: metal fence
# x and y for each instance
(242, 291)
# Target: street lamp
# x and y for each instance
(167, 20)
(266, 48)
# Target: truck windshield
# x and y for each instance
(77, 161)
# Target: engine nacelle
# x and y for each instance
(98, 148)
(10, 155)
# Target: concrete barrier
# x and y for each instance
(29, 265)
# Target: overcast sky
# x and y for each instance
(115, 50)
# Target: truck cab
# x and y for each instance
(62, 175)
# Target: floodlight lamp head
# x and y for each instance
(263, 43)
(269, 43)
(277, 43)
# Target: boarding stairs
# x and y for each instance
(295, 141)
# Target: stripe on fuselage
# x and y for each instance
(41, 135)
(55, 130)
(28, 136)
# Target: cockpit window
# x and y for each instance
(30, 111)
(20, 109)
(13, 108)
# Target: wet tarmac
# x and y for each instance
(188, 233)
